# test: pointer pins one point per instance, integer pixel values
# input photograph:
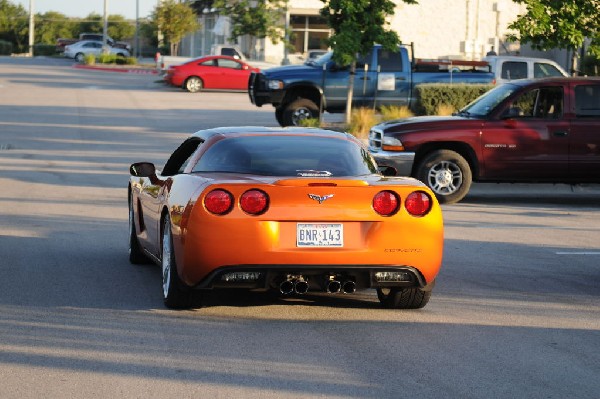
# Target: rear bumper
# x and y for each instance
(318, 277)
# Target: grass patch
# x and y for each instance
(392, 112)
(361, 121)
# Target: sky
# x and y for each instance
(81, 8)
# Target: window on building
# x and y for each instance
(309, 32)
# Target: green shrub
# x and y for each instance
(89, 59)
(430, 96)
(6, 48)
(131, 61)
(309, 122)
(107, 58)
(44, 49)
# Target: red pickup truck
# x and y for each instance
(541, 130)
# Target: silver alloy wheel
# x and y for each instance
(130, 225)
(193, 84)
(166, 259)
(79, 57)
(300, 114)
(445, 178)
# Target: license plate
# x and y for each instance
(320, 235)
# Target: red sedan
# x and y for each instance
(210, 72)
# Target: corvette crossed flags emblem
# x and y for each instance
(320, 198)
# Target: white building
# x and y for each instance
(464, 29)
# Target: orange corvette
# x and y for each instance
(292, 210)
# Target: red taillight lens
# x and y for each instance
(386, 203)
(418, 203)
(218, 202)
(254, 202)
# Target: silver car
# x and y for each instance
(82, 48)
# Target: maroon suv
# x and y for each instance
(542, 130)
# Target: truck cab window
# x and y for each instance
(389, 61)
(514, 70)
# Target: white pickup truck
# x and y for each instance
(507, 68)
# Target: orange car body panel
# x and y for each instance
(204, 241)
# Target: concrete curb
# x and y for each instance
(122, 69)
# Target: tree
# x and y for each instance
(551, 24)
(175, 20)
(93, 23)
(14, 24)
(53, 25)
(357, 25)
(119, 28)
(255, 18)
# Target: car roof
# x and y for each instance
(88, 41)
(517, 58)
(557, 79)
(261, 130)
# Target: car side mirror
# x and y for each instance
(387, 170)
(142, 169)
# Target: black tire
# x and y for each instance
(193, 84)
(136, 255)
(279, 115)
(79, 57)
(447, 174)
(297, 110)
(176, 294)
(403, 298)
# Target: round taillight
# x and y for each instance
(218, 202)
(386, 203)
(418, 203)
(254, 202)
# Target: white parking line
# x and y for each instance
(578, 253)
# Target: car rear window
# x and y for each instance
(309, 156)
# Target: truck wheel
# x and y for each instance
(448, 175)
(279, 115)
(193, 84)
(298, 110)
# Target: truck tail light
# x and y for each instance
(386, 203)
(418, 203)
(218, 202)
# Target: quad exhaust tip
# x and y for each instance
(295, 284)
(349, 287)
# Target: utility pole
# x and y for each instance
(105, 28)
(31, 28)
(137, 28)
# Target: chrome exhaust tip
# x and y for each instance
(286, 287)
(334, 287)
(349, 287)
(301, 287)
